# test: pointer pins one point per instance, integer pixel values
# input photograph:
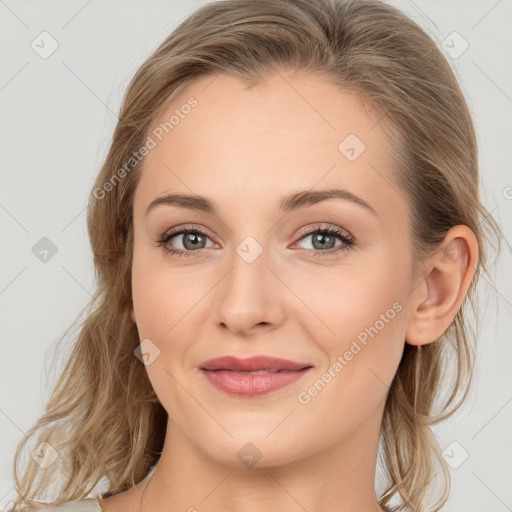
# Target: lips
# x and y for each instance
(254, 376)
(253, 364)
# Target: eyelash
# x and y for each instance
(348, 241)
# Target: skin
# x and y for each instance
(244, 149)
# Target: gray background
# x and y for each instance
(57, 117)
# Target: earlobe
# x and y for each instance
(439, 296)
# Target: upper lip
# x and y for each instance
(252, 364)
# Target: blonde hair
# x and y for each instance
(103, 417)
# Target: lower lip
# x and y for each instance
(246, 384)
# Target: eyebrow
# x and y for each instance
(291, 202)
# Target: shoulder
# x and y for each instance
(84, 505)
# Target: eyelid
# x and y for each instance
(319, 226)
(188, 227)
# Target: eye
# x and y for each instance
(192, 240)
(323, 240)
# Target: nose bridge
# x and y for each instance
(249, 267)
(250, 250)
(250, 242)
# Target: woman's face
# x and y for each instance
(260, 278)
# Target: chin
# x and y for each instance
(254, 450)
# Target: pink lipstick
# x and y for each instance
(254, 376)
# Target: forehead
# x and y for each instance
(238, 144)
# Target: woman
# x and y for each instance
(287, 235)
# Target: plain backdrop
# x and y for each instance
(58, 112)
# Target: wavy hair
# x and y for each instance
(103, 418)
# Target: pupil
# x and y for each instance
(196, 238)
(319, 237)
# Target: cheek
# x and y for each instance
(352, 297)
(361, 334)
(152, 300)
(359, 313)
(164, 315)
(158, 301)
(169, 300)
(366, 308)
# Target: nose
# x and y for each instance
(251, 295)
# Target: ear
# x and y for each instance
(445, 279)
